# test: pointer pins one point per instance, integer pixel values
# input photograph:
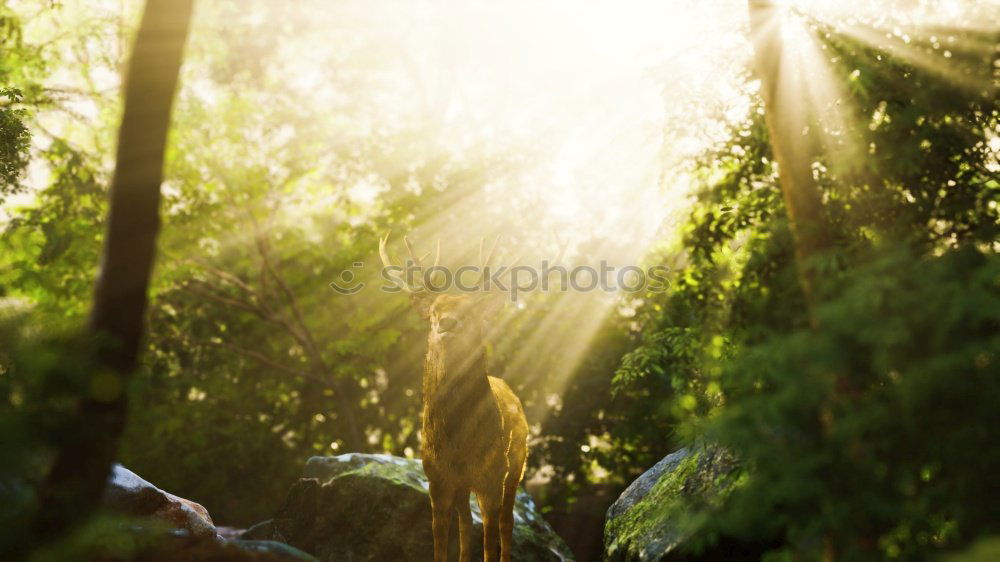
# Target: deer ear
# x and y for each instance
(421, 302)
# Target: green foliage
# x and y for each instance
(51, 250)
(873, 432)
(15, 140)
(868, 438)
(983, 551)
(21, 71)
(106, 537)
(44, 369)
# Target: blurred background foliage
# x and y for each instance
(872, 437)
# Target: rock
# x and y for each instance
(377, 507)
(272, 549)
(206, 549)
(261, 531)
(229, 533)
(194, 536)
(653, 516)
(128, 493)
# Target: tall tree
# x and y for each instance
(790, 151)
(82, 464)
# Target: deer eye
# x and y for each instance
(447, 324)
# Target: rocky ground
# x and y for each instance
(349, 507)
(377, 507)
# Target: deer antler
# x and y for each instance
(418, 261)
(562, 247)
(382, 252)
(484, 263)
(489, 256)
(387, 260)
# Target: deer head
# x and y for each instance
(457, 321)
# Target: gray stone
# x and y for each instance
(127, 493)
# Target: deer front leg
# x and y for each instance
(442, 504)
(464, 525)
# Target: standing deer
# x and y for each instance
(474, 429)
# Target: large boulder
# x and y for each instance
(127, 493)
(194, 537)
(377, 507)
(664, 508)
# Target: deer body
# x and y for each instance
(474, 434)
(474, 437)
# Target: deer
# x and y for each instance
(474, 431)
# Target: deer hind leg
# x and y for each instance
(506, 526)
(464, 513)
(489, 506)
(442, 512)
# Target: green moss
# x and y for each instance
(673, 509)
(649, 520)
(403, 475)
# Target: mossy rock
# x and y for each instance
(377, 507)
(659, 514)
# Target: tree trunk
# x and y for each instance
(787, 123)
(791, 148)
(82, 465)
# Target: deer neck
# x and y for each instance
(456, 387)
(446, 370)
